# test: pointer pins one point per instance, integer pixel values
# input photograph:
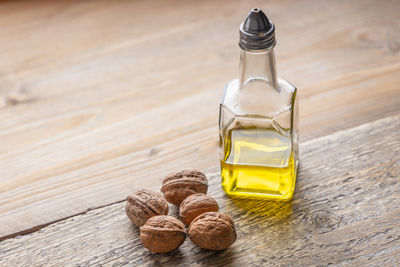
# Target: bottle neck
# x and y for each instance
(256, 66)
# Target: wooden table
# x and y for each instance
(100, 98)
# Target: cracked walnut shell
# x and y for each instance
(194, 205)
(161, 234)
(178, 186)
(144, 204)
(212, 230)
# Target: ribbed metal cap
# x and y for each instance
(256, 32)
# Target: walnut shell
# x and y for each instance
(178, 186)
(143, 204)
(162, 234)
(194, 205)
(212, 230)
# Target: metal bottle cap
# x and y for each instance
(256, 32)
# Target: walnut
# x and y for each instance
(178, 186)
(195, 205)
(162, 234)
(212, 230)
(143, 204)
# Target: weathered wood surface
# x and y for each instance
(98, 98)
(346, 211)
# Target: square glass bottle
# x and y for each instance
(258, 121)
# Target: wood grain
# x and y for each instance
(98, 98)
(345, 212)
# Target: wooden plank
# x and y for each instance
(345, 212)
(95, 101)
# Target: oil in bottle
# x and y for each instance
(258, 163)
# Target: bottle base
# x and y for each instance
(259, 182)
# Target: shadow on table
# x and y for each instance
(189, 255)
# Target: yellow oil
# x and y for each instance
(258, 163)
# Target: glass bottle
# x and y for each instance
(258, 122)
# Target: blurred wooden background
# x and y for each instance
(100, 98)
